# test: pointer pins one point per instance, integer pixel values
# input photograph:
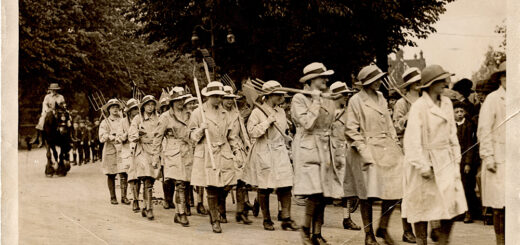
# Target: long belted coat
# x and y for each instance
(492, 148)
(173, 135)
(269, 164)
(223, 135)
(400, 115)
(430, 141)
(112, 149)
(127, 153)
(352, 177)
(241, 152)
(146, 151)
(314, 166)
(373, 139)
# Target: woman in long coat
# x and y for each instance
(146, 159)
(374, 146)
(127, 151)
(217, 174)
(108, 130)
(433, 188)
(351, 173)
(314, 175)
(168, 185)
(172, 135)
(269, 163)
(492, 152)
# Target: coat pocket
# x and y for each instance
(308, 151)
(110, 149)
(226, 161)
(385, 152)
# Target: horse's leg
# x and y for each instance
(49, 170)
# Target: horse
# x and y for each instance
(57, 131)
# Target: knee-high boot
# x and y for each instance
(499, 225)
(149, 194)
(408, 235)
(124, 187)
(222, 195)
(111, 182)
(319, 215)
(421, 230)
(241, 215)
(284, 197)
(387, 207)
(136, 186)
(366, 215)
(263, 199)
(212, 198)
(445, 229)
(180, 199)
(310, 207)
(188, 198)
(200, 206)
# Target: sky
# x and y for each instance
(464, 33)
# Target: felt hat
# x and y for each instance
(146, 99)
(213, 88)
(463, 86)
(189, 99)
(410, 76)
(501, 70)
(433, 73)
(314, 70)
(229, 93)
(130, 104)
(370, 74)
(110, 103)
(54, 86)
(272, 87)
(340, 88)
(178, 93)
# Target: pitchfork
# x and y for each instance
(97, 100)
(390, 83)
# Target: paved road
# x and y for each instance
(76, 210)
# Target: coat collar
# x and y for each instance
(177, 116)
(212, 114)
(339, 115)
(501, 92)
(379, 106)
(436, 110)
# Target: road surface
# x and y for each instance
(76, 209)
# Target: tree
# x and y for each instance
(493, 57)
(275, 39)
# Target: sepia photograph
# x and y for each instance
(309, 122)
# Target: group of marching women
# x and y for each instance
(345, 147)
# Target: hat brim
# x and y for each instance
(278, 92)
(311, 76)
(58, 88)
(231, 96)
(130, 108)
(190, 100)
(411, 81)
(440, 77)
(372, 80)
(148, 101)
(216, 92)
(179, 98)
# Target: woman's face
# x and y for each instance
(374, 86)
(191, 105)
(149, 107)
(178, 105)
(228, 102)
(114, 110)
(215, 100)
(320, 83)
(54, 92)
(164, 108)
(133, 112)
(438, 87)
(342, 101)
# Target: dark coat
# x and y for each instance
(466, 133)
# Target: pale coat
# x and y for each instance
(400, 115)
(49, 102)
(242, 157)
(146, 151)
(269, 164)
(373, 139)
(492, 148)
(127, 153)
(224, 141)
(312, 147)
(352, 174)
(111, 149)
(172, 135)
(430, 142)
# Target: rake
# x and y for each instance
(227, 81)
(97, 100)
(390, 84)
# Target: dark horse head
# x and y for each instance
(57, 132)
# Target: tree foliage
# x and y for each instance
(492, 58)
(275, 39)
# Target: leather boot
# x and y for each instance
(317, 239)
(387, 208)
(124, 188)
(149, 195)
(112, 188)
(305, 234)
(222, 205)
(187, 201)
(366, 215)
(256, 207)
(213, 210)
(445, 230)
(421, 229)
(348, 224)
(180, 199)
(289, 224)
(408, 235)
(383, 233)
(268, 225)
(263, 199)
(499, 225)
(166, 191)
(136, 186)
(201, 210)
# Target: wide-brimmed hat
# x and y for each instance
(213, 88)
(229, 93)
(54, 86)
(340, 88)
(189, 99)
(110, 103)
(146, 99)
(370, 74)
(486, 86)
(131, 104)
(272, 87)
(433, 73)
(164, 99)
(463, 86)
(178, 93)
(410, 76)
(501, 70)
(314, 70)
